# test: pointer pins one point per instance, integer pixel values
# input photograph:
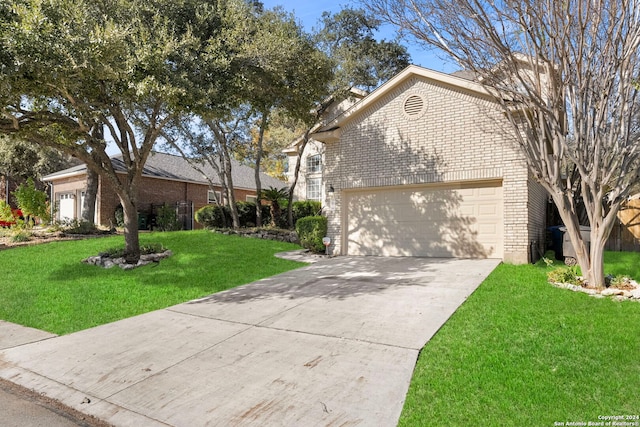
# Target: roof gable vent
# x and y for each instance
(413, 107)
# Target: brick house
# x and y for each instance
(423, 167)
(166, 179)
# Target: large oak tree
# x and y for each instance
(70, 67)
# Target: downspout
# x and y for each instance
(52, 204)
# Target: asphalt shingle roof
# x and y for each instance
(169, 166)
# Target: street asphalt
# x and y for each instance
(333, 343)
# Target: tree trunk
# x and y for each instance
(263, 126)
(595, 275)
(568, 214)
(296, 174)
(231, 197)
(275, 212)
(131, 235)
(591, 260)
(600, 233)
(89, 205)
(579, 246)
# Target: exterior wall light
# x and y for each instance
(331, 198)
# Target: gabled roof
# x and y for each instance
(333, 108)
(330, 131)
(176, 168)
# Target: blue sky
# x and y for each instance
(309, 12)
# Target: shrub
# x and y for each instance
(32, 202)
(563, 275)
(311, 230)
(246, 214)
(6, 214)
(167, 218)
(620, 281)
(266, 214)
(75, 226)
(21, 235)
(305, 208)
(211, 216)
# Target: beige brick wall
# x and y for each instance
(459, 137)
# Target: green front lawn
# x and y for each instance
(47, 287)
(521, 352)
(518, 352)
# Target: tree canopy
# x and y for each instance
(22, 160)
(70, 67)
(360, 60)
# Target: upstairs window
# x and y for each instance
(314, 163)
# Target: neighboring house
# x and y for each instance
(422, 166)
(165, 179)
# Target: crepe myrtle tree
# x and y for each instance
(69, 68)
(566, 76)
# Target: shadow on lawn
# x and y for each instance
(170, 271)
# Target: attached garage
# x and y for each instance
(426, 165)
(464, 219)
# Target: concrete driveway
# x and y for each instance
(334, 343)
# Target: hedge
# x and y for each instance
(211, 216)
(311, 230)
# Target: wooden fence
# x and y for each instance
(625, 235)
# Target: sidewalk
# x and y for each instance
(334, 343)
(24, 408)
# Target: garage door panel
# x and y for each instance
(487, 209)
(66, 207)
(426, 221)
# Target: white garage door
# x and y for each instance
(67, 207)
(456, 220)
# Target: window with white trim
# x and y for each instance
(314, 163)
(211, 197)
(314, 189)
(252, 199)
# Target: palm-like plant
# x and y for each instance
(274, 196)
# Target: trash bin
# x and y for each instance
(568, 250)
(142, 221)
(556, 240)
